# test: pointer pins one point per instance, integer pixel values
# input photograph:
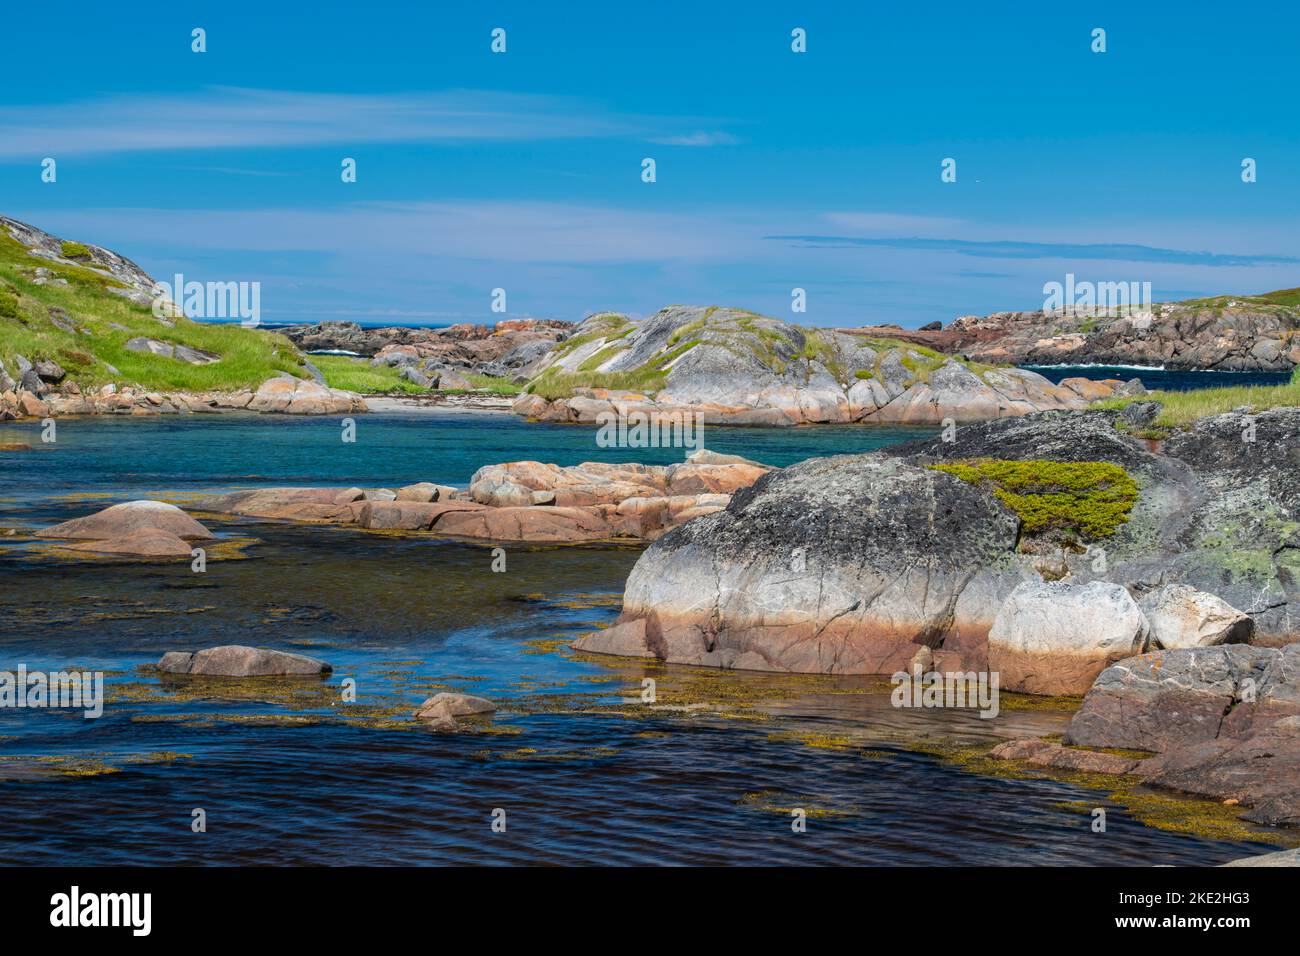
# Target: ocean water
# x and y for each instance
(1171, 380)
(586, 771)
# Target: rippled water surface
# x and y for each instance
(287, 771)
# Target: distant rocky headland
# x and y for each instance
(1244, 333)
(80, 338)
(740, 368)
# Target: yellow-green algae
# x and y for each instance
(1161, 810)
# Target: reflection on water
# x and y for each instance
(288, 772)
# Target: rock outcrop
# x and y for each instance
(235, 660)
(736, 367)
(1227, 333)
(1223, 722)
(128, 279)
(518, 501)
(509, 349)
(836, 565)
(282, 394)
(849, 564)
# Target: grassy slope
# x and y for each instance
(358, 375)
(1183, 408)
(248, 356)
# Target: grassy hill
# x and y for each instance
(70, 312)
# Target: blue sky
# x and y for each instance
(775, 170)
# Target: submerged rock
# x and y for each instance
(235, 660)
(120, 521)
(142, 543)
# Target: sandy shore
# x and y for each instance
(480, 404)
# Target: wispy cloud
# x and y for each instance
(698, 139)
(539, 232)
(1009, 249)
(228, 117)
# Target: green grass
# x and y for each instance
(552, 385)
(497, 386)
(74, 250)
(248, 356)
(1182, 408)
(1075, 500)
(358, 375)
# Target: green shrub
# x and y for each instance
(74, 250)
(1086, 499)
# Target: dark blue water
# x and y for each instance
(290, 772)
(1170, 380)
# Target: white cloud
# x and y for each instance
(227, 117)
(698, 139)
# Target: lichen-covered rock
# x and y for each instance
(736, 367)
(1218, 506)
(836, 565)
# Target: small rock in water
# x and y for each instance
(235, 660)
(443, 707)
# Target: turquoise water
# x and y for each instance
(587, 773)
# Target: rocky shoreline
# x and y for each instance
(1182, 638)
(283, 394)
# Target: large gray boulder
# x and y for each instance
(1056, 637)
(239, 661)
(835, 565)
